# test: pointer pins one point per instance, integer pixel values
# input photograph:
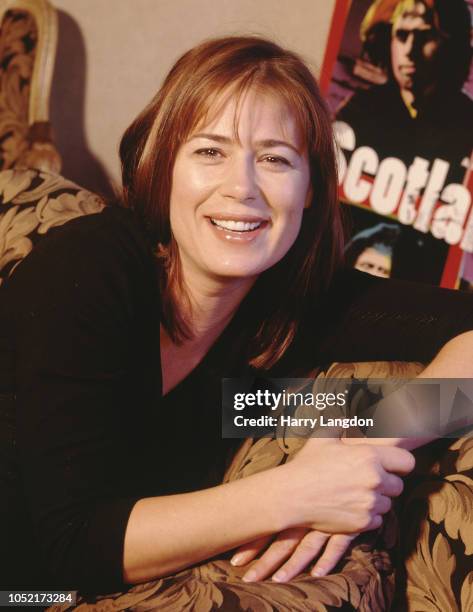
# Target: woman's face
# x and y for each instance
(239, 187)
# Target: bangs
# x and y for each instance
(212, 97)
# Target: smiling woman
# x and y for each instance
(240, 131)
(234, 233)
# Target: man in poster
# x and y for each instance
(421, 109)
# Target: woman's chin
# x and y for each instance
(231, 274)
(230, 271)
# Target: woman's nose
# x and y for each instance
(240, 179)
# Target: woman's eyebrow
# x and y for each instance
(270, 142)
(216, 137)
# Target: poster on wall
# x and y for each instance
(398, 78)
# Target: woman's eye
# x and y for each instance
(209, 153)
(276, 160)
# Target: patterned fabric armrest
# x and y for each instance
(31, 203)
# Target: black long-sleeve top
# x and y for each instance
(80, 372)
(84, 431)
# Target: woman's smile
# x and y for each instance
(240, 185)
(240, 230)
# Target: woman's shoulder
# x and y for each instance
(99, 252)
(109, 238)
(113, 227)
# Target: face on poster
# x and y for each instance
(401, 93)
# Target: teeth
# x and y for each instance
(236, 226)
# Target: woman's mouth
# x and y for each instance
(239, 230)
(236, 226)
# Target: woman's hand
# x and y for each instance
(337, 488)
(290, 553)
(366, 491)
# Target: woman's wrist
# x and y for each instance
(278, 497)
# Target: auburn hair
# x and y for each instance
(201, 80)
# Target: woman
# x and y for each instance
(110, 480)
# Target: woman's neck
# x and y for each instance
(213, 303)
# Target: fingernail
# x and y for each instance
(279, 576)
(236, 559)
(317, 573)
(249, 576)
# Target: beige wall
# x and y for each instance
(113, 54)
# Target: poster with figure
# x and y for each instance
(398, 79)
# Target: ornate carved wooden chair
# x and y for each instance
(33, 196)
(28, 38)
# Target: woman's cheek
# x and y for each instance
(196, 179)
(289, 230)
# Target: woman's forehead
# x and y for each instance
(263, 106)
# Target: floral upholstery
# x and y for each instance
(31, 203)
(435, 570)
(427, 565)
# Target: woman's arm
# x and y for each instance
(454, 360)
(327, 486)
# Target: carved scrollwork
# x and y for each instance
(28, 34)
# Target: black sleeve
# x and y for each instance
(74, 298)
(368, 318)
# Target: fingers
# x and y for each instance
(334, 551)
(392, 485)
(383, 505)
(277, 553)
(249, 551)
(373, 515)
(309, 547)
(375, 523)
(299, 553)
(396, 460)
